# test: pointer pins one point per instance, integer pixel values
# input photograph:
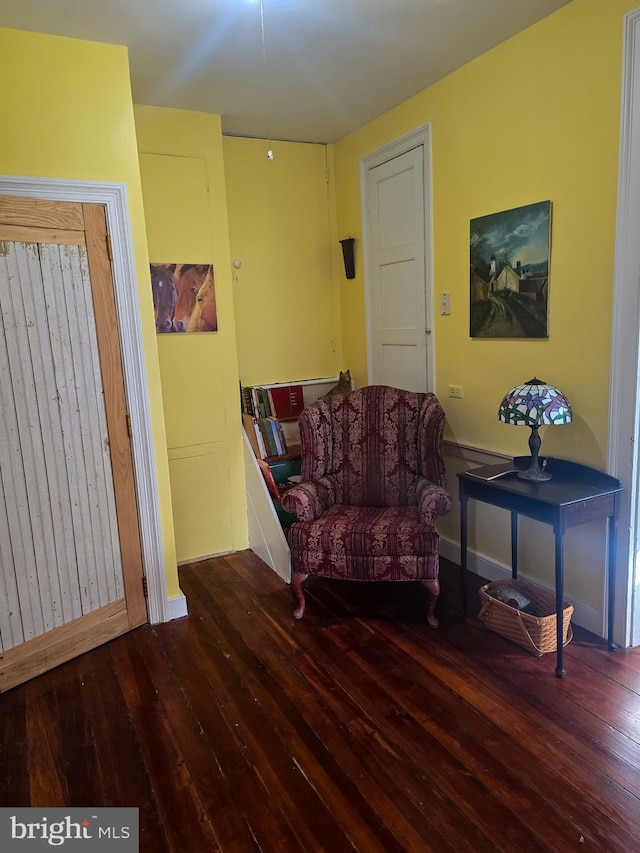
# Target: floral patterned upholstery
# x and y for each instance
(373, 481)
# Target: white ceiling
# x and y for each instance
(324, 68)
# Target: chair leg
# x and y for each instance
(433, 588)
(297, 579)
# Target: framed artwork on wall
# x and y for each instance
(509, 267)
(184, 298)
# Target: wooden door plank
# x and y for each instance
(35, 438)
(15, 414)
(53, 475)
(55, 647)
(76, 505)
(11, 627)
(93, 455)
(68, 511)
(41, 213)
(24, 234)
(116, 411)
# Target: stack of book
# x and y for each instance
(282, 401)
(270, 419)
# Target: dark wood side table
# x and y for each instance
(576, 494)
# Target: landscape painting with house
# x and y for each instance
(509, 264)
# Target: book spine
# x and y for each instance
(273, 424)
(263, 403)
(254, 435)
(255, 405)
(296, 399)
(276, 438)
(287, 401)
(245, 400)
(283, 440)
(262, 447)
(268, 437)
(274, 491)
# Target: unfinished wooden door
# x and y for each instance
(70, 557)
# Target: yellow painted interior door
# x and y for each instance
(70, 557)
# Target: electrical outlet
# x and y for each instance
(455, 391)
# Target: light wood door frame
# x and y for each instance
(51, 224)
(419, 136)
(113, 196)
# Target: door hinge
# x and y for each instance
(109, 247)
(128, 420)
(145, 587)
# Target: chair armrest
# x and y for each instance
(309, 500)
(432, 501)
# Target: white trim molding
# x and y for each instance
(114, 198)
(176, 607)
(476, 455)
(624, 423)
(584, 615)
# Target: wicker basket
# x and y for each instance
(537, 634)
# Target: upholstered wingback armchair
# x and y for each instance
(373, 484)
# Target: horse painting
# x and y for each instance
(163, 288)
(205, 314)
(189, 279)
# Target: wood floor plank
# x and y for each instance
(400, 790)
(118, 757)
(231, 830)
(238, 795)
(369, 683)
(332, 796)
(185, 822)
(358, 728)
(526, 751)
(616, 800)
(15, 789)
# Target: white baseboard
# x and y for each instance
(175, 608)
(587, 617)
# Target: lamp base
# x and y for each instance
(534, 474)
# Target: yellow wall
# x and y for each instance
(184, 195)
(536, 118)
(67, 114)
(287, 312)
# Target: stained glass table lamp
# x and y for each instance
(534, 404)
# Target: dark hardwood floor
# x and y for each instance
(359, 728)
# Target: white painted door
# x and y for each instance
(70, 557)
(397, 291)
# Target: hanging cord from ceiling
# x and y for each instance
(265, 80)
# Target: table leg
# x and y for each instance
(611, 582)
(559, 606)
(463, 554)
(514, 545)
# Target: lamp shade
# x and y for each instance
(533, 404)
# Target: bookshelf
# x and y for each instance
(270, 415)
(258, 440)
(268, 520)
